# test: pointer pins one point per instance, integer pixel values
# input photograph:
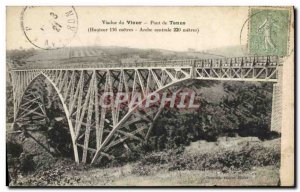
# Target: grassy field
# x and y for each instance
(123, 176)
(221, 163)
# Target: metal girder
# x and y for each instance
(80, 90)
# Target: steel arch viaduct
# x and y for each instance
(96, 129)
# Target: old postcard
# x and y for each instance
(150, 96)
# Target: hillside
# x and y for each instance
(117, 55)
(230, 51)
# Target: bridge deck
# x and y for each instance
(235, 62)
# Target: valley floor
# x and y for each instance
(267, 176)
(227, 162)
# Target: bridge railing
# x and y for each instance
(235, 62)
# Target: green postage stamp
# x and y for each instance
(269, 31)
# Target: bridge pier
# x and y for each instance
(276, 117)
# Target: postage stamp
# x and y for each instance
(268, 31)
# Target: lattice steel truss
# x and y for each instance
(97, 131)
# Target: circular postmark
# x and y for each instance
(49, 27)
